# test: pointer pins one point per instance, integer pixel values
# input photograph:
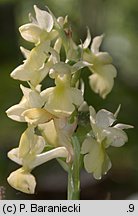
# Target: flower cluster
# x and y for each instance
(51, 114)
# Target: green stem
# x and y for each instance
(74, 173)
(75, 78)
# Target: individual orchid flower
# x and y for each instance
(29, 155)
(31, 99)
(62, 130)
(40, 29)
(104, 134)
(34, 68)
(102, 79)
(51, 97)
(63, 91)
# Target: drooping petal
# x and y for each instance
(106, 164)
(31, 32)
(95, 159)
(23, 181)
(44, 19)
(68, 96)
(103, 79)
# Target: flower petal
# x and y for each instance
(115, 137)
(104, 118)
(96, 44)
(44, 19)
(25, 52)
(27, 142)
(14, 156)
(87, 40)
(49, 155)
(68, 96)
(87, 145)
(103, 79)
(46, 130)
(29, 71)
(92, 115)
(104, 58)
(23, 181)
(31, 32)
(123, 126)
(15, 112)
(37, 116)
(94, 159)
(79, 65)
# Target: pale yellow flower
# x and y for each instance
(40, 29)
(62, 131)
(61, 99)
(103, 135)
(29, 155)
(22, 180)
(31, 99)
(102, 79)
(34, 68)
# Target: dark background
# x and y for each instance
(118, 20)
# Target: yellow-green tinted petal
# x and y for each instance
(49, 133)
(25, 52)
(31, 32)
(44, 19)
(49, 155)
(104, 58)
(23, 181)
(14, 156)
(60, 101)
(104, 118)
(96, 160)
(103, 79)
(37, 116)
(115, 137)
(29, 71)
(26, 142)
(87, 40)
(15, 112)
(96, 44)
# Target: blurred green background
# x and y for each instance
(118, 20)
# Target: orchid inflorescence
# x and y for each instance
(52, 114)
